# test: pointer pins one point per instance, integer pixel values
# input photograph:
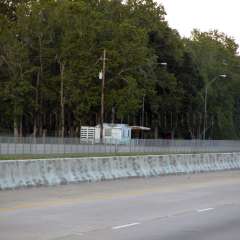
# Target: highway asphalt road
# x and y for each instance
(190, 207)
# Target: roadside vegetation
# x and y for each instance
(50, 59)
(72, 155)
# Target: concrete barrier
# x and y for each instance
(48, 172)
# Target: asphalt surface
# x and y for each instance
(194, 207)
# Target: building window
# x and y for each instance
(108, 132)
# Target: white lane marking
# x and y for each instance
(205, 210)
(125, 226)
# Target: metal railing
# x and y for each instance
(60, 146)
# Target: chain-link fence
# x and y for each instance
(53, 145)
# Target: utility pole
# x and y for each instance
(102, 76)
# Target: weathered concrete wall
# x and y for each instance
(27, 173)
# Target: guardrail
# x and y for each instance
(53, 145)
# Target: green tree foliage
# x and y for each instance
(216, 55)
(16, 88)
(51, 55)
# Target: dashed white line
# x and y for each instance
(137, 223)
(205, 210)
(125, 226)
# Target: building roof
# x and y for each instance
(114, 125)
(140, 128)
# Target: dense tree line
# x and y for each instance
(51, 56)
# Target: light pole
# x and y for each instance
(205, 103)
(143, 112)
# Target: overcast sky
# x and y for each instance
(184, 15)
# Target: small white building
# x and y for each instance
(112, 133)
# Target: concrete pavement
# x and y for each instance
(203, 206)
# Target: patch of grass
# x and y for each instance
(72, 155)
(82, 155)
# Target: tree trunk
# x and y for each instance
(62, 68)
(156, 131)
(40, 117)
(35, 126)
(36, 106)
(40, 126)
(15, 127)
(20, 127)
(113, 115)
(199, 126)
(56, 129)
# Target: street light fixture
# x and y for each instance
(223, 75)
(163, 63)
(205, 102)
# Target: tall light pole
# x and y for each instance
(102, 77)
(205, 103)
(143, 113)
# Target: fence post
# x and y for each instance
(23, 144)
(44, 145)
(63, 140)
(88, 147)
(7, 145)
(30, 145)
(15, 145)
(104, 151)
(115, 147)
